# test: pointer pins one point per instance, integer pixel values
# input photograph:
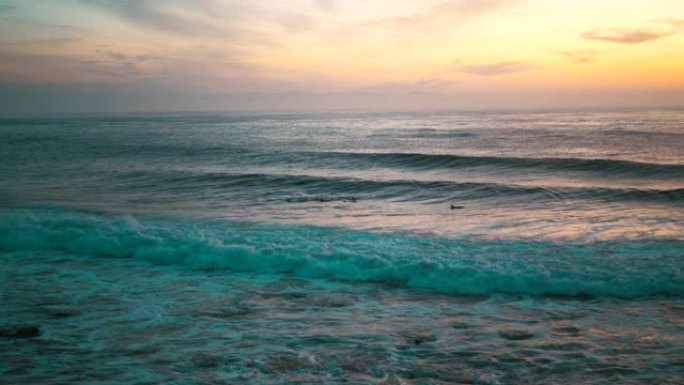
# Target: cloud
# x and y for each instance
(665, 28)
(580, 56)
(325, 5)
(122, 65)
(38, 25)
(47, 42)
(496, 69)
(434, 85)
(120, 56)
(45, 68)
(296, 23)
(53, 66)
(452, 11)
(625, 36)
(676, 22)
(4, 8)
(177, 16)
(473, 7)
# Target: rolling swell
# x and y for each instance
(278, 187)
(623, 270)
(417, 161)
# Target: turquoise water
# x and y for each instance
(489, 248)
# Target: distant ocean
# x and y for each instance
(402, 248)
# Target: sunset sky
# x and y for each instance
(81, 55)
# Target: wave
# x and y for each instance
(294, 187)
(619, 269)
(417, 161)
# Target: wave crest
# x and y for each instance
(623, 270)
(420, 161)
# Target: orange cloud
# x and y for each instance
(580, 56)
(625, 36)
(495, 69)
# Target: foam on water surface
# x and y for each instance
(119, 321)
(460, 266)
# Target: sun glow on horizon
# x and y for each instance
(490, 47)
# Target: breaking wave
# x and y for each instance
(626, 269)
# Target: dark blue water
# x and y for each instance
(480, 247)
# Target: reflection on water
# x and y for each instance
(577, 176)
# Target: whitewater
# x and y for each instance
(336, 248)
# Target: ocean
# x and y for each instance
(472, 247)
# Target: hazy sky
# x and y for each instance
(81, 55)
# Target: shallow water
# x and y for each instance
(272, 249)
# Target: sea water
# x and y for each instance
(402, 248)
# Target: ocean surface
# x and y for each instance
(402, 248)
